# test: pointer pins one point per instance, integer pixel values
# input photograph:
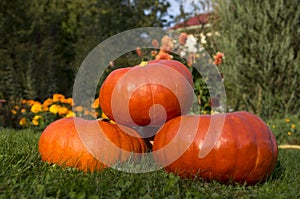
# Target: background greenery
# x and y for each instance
(43, 43)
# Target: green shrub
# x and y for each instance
(261, 42)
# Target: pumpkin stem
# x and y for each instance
(143, 63)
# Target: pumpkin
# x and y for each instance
(244, 150)
(88, 144)
(147, 94)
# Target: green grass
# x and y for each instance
(24, 175)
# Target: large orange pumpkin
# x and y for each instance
(147, 94)
(244, 150)
(88, 144)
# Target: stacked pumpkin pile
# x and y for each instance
(158, 95)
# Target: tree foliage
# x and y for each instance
(42, 43)
(260, 40)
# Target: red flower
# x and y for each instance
(218, 58)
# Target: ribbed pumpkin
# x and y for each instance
(147, 94)
(88, 144)
(245, 149)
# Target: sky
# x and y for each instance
(188, 6)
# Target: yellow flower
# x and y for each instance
(14, 111)
(293, 126)
(273, 126)
(37, 117)
(63, 111)
(22, 121)
(287, 120)
(23, 110)
(36, 107)
(54, 108)
(35, 120)
(23, 101)
(78, 108)
(58, 97)
(289, 133)
(17, 107)
(71, 114)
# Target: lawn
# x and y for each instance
(24, 175)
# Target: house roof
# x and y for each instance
(201, 19)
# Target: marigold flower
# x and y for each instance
(22, 121)
(47, 102)
(289, 133)
(37, 117)
(35, 120)
(95, 103)
(69, 101)
(58, 97)
(31, 102)
(23, 110)
(23, 101)
(70, 114)
(14, 111)
(36, 107)
(293, 126)
(54, 108)
(63, 110)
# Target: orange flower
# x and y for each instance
(163, 55)
(58, 97)
(63, 111)
(95, 104)
(69, 101)
(47, 102)
(22, 121)
(31, 102)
